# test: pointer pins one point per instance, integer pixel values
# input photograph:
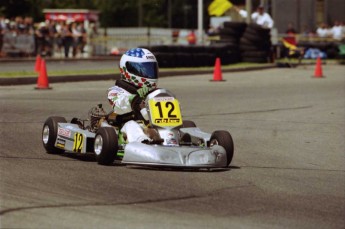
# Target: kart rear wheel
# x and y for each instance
(223, 138)
(49, 134)
(188, 123)
(186, 138)
(106, 145)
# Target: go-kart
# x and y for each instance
(176, 142)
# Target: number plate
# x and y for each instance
(78, 142)
(165, 112)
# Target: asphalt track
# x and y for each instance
(288, 169)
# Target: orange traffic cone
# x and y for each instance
(318, 69)
(38, 63)
(42, 81)
(217, 73)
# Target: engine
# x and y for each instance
(95, 115)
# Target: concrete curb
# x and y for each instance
(78, 78)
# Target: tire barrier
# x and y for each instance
(227, 49)
(255, 44)
(170, 56)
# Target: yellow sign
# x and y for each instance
(165, 111)
(219, 7)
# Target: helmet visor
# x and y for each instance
(147, 69)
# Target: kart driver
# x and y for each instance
(139, 75)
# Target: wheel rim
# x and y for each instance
(45, 134)
(98, 144)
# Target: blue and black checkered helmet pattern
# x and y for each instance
(139, 67)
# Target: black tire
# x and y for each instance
(223, 138)
(188, 123)
(229, 32)
(258, 29)
(49, 134)
(106, 145)
(263, 44)
(260, 46)
(250, 32)
(256, 37)
(229, 39)
(246, 48)
(238, 26)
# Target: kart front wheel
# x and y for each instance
(106, 145)
(49, 134)
(223, 138)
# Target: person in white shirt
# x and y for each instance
(323, 31)
(337, 31)
(259, 17)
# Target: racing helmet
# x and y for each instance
(139, 67)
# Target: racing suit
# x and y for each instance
(121, 101)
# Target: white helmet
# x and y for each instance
(139, 67)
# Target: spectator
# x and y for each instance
(175, 34)
(262, 18)
(76, 38)
(307, 32)
(337, 31)
(42, 39)
(67, 37)
(191, 38)
(290, 36)
(259, 17)
(58, 36)
(323, 31)
(2, 31)
(81, 41)
(29, 27)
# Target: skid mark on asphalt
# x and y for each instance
(149, 201)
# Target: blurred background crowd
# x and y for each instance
(27, 29)
(21, 36)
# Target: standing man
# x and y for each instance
(259, 17)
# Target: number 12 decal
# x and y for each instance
(78, 142)
(167, 105)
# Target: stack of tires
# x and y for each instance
(170, 56)
(230, 36)
(232, 32)
(255, 44)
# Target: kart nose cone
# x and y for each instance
(171, 156)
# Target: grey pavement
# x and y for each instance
(288, 169)
(92, 64)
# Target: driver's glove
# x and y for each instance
(142, 92)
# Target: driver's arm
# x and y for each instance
(120, 100)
